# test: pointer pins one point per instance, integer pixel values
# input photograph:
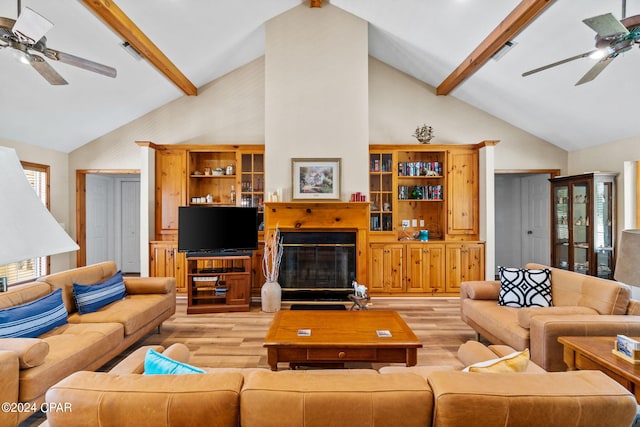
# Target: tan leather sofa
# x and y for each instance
(582, 306)
(29, 366)
(394, 396)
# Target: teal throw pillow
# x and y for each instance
(158, 364)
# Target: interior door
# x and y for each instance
(130, 225)
(99, 202)
(535, 211)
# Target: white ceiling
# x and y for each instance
(427, 39)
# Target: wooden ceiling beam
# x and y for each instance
(315, 3)
(515, 22)
(119, 22)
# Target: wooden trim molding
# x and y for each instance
(515, 22)
(119, 22)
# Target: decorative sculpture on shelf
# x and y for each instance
(424, 134)
(359, 290)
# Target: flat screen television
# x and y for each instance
(217, 230)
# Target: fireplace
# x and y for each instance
(317, 265)
(324, 248)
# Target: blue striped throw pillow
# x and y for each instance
(34, 318)
(90, 298)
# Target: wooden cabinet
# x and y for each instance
(462, 192)
(583, 230)
(425, 268)
(464, 262)
(170, 191)
(201, 175)
(166, 261)
(257, 276)
(218, 284)
(433, 187)
(386, 269)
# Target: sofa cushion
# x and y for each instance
(31, 351)
(158, 364)
(295, 398)
(525, 315)
(105, 399)
(571, 288)
(500, 321)
(90, 298)
(84, 275)
(577, 398)
(33, 318)
(134, 312)
(21, 294)
(71, 348)
(517, 361)
(520, 287)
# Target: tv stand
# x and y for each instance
(218, 283)
(216, 254)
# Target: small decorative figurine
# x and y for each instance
(359, 290)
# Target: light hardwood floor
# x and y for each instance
(235, 339)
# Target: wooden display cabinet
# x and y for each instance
(583, 230)
(218, 284)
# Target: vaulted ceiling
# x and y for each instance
(426, 39)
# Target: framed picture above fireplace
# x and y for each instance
(316, 179)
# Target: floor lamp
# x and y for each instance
(27, 228)
(628, 259)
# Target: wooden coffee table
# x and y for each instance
(595, 353)
(338, 337)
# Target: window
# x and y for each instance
(29, 269)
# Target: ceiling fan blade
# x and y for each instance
(595, 70)
(76, 61)
(46, 70)
(564, 61)
(31, 26)
(606, 25)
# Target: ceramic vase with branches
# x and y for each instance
(271, 292)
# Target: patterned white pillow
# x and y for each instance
(520, 287)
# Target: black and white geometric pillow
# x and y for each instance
(520, 287)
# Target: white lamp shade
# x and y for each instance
(27, 228)
(628, 259)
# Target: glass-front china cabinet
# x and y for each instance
(583, 229)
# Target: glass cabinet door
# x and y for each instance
(561, 227)
(580, 224)
(603, 228)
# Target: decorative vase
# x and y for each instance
(271, 297)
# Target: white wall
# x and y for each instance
(59, 190)
(316, 102)
(609, 158)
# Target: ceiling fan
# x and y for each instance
(613, 38)
(25, 37)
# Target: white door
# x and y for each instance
(99, 208)
(130, 226)
(536, 219)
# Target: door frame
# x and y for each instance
(81, 206)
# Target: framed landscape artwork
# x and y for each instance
(315, 179)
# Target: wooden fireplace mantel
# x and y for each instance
(319, 216)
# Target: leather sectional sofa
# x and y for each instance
(393, 396)
(582, 306)
(29, 366)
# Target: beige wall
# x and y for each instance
(316, 101)
(59, 196)
(610, 158)
(399, 103)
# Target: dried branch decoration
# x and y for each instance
(272, 256)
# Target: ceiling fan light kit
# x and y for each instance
(25, 37)
(613, 37)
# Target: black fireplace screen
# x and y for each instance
(318, 260)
